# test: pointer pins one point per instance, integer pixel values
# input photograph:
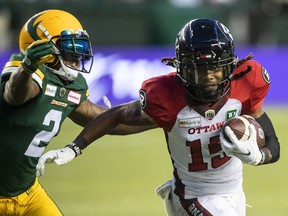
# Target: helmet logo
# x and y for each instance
(205, 56)
(32, 29)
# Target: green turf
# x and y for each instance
(117, 175)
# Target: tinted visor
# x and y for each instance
(75, 45)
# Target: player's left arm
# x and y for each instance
(261, 83)
(272, 146)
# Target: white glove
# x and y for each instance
(59, 157)
(247, 151)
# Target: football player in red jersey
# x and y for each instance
(209, 87)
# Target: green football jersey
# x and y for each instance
(27, 129)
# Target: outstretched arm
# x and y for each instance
(105, 123)
(87, 111)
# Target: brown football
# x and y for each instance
(239, 126)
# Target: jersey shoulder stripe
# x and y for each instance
(14, 63)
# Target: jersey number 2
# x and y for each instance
(44, 136)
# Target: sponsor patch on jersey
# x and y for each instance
(142, 98)
(266, 75)
(230, 114)
(74, 97)
(190, 123)
(50, 90)
(59, 103)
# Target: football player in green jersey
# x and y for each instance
(40, 87)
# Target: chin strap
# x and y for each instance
(65, 72)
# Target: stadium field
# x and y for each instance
(117, 175)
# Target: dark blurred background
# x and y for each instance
(154, 22)
(129, 37)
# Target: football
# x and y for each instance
(239, 126)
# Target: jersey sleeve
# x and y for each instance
(157, 98)
(149, 97)
(252, 88)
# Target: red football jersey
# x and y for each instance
(192, 132)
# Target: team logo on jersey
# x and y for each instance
(50, 90)
(230, 114)
(210, 114)
(74, 97)
(266, 75)
(142, 98)
(190, 123)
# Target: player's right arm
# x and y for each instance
(20, 87)
(128, 114)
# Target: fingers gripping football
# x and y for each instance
(247, 151)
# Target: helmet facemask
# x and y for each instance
(74, 52)
(75, 47)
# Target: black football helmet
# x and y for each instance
(204, 43)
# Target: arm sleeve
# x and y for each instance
(271, 140)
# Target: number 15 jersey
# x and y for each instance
(192, 132)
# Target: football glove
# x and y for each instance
(39, 52)
(59, 157)
(247, 151)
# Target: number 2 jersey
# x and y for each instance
(192, 133)
(27, 129)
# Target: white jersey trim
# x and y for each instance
(35, 77)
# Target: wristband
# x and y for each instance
(26, 69)
(75, 148)
(262, 158)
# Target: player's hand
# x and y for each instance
(59, 157)
(39, 52)
(247, 151)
